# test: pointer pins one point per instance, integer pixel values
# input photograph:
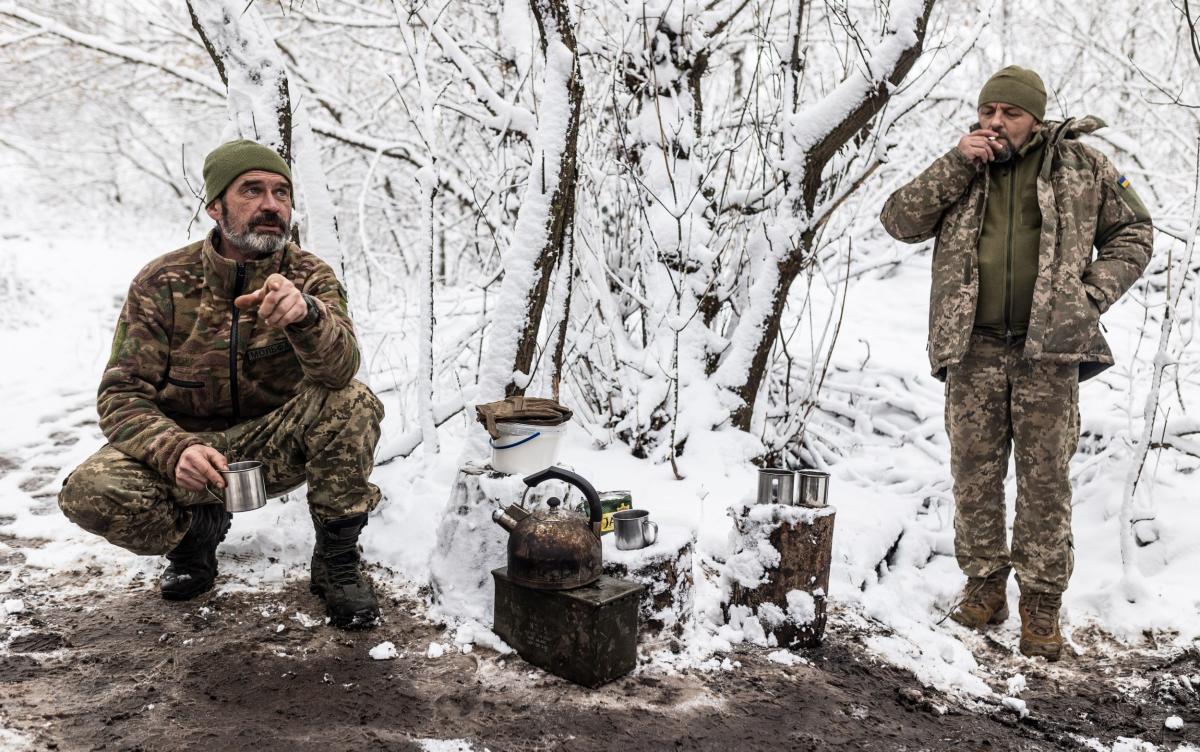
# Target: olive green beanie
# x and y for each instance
(227, 161)
(1019, 86)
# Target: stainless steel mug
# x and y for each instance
(814, 488)
(245, 487)
(634, 529)
(776, 485)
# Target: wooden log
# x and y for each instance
(789, 593)
(665, 569)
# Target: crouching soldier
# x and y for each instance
(1037, 235)
(237, 346)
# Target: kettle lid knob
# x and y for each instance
(553, 503)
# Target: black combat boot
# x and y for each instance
(337, 576)
(193, 563)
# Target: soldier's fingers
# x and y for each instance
(291, 310)
(299, 309)
(271, 302)
(209, 473)
(249, 300)
(215, 458)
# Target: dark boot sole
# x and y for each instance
(355, 622)
(186, 595)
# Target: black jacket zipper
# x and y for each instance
(233, 342)
(1008, 254)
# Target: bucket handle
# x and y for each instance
(531, 437)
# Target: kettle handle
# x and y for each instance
(589, 491)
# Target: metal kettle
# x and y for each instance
(555, 549)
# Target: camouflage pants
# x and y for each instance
(997, 399)
(323, 436)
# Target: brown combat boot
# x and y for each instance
(984, 601)
(1040, 635)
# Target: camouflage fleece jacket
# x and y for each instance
(184, 359)
(1084, 202)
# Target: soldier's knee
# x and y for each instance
(83, 499)
(357, 401)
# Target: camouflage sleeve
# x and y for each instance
(129, 417)
(1124, 238)
(324, 340)
(913, 212)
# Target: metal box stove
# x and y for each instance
(587, 634)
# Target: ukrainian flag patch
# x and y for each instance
(1123, 181)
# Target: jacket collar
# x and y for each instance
(220, 273)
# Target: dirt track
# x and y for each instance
(128, 671)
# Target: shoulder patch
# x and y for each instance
(1131, 199)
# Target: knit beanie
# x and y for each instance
(1019, 86)
(227, 161)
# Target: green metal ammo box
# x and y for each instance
(587, 634)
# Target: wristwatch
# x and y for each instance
(313, 315)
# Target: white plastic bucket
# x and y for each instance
(523, 449)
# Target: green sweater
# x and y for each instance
(1008, 242)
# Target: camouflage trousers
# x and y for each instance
(323, 436)
(998, 401)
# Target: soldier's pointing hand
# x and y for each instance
(279, 302)
(979, 146)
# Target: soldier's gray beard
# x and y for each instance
(1006, 153)
(250, 243)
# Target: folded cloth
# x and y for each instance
(536, 411)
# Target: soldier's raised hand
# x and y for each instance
(979, 146)
(279, 302)
(200, 464)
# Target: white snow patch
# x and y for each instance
(384, 651)
(1016, 685)
(14, 606)
(802, 609)
(435, 650)
(1174, 723)
(1017, 705)
(445, 745)
(787, 658)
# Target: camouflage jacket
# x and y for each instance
(184, 359)
(1084, 203)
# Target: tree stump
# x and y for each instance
(780, 572)
(469, 545)
(665, 569)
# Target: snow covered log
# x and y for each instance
(469, 545)
(780, 573)
(665, 568)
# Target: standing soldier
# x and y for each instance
(1014, 325)
(239, 345)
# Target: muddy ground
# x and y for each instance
(124, 670)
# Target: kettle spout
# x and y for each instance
(505, 520)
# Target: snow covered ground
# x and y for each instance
(894, 575)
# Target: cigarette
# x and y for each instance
(991, 138)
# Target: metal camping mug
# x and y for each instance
(814, 488)
(634, 529)
(245, 487)
(776, 485)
